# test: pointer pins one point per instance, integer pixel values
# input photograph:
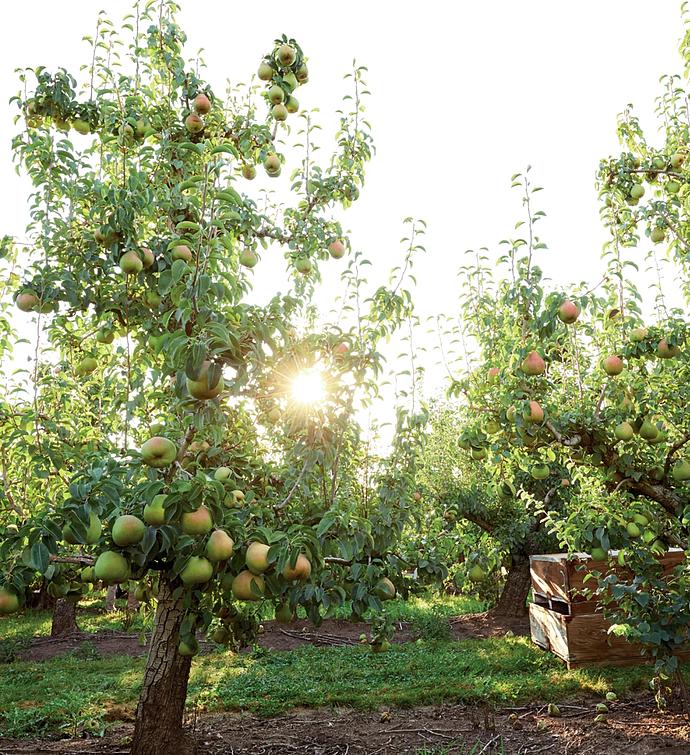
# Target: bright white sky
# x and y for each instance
(464, 95)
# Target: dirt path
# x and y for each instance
(631, 729)
(276, 636)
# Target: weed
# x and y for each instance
(432, 625)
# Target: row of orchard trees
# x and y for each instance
(568, 426)
(160, 445)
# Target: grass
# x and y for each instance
(419, 608)
(90, 617)
(414, 609)
(17, 630)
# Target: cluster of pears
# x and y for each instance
(637, 527)
(284, 70)
(663, 350)
(646, 429)
(657, 165)
(83, 118)
(533, 364)
(201, 105)
(128, 530)
(304, 265)
(249, 583)
(40, 111)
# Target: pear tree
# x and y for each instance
(146, 229)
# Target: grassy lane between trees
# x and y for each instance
(79, 692)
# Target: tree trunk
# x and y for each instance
(110, 596)
(132, 602)
(64, 618)
(512, 602)
(158, 727)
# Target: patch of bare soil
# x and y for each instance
(276, 636)
(632, 728)
(97, 644)
(486, 624)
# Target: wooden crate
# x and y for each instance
(565, 622)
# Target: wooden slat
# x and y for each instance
(548, 630)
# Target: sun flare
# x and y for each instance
(308, 386)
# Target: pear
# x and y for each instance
(664, 350)
(276, 95)
(681, 470)
(533, 364)
(624, 431)
(265, 72)
(568, 312)
(535, 412)
(279, 112)
(648, 430)
(612, 365)
(286, 55)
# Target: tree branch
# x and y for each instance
(672, 451)
(574, 440)
(81, 559)
(287, 498)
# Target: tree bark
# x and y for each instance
(64, 618)
(110, 596)
(132, 602)
(512, 602)
(158, 726)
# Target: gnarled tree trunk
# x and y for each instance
(158, 727)
(512, 602)
(64, 618)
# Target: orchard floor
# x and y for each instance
(450, 684)
(439, 730)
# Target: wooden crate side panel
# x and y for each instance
(558, 575)
(588, 640)
(549, 578)
(578, 639)
(577, 570)
(548, 630)
(633, 660)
